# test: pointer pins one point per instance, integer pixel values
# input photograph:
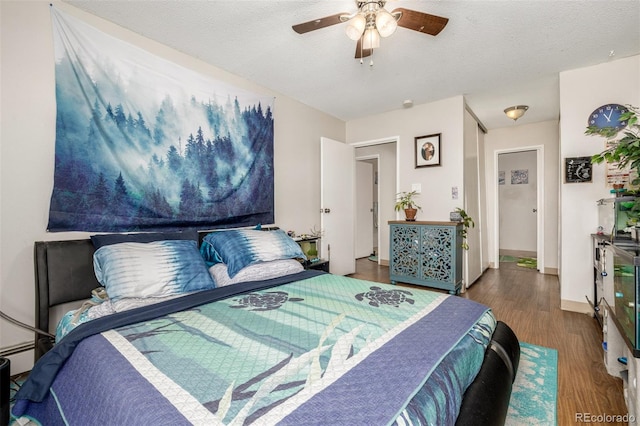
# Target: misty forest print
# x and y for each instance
(144, 144)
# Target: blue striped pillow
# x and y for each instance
(243, 247)
(155, 269)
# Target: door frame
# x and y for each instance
(540, 204)
(381, 141)
(377, 158)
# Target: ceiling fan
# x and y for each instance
(373, 21)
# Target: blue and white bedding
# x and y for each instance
(239, 248)
(309, 348)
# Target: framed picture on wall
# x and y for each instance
(520, 177)
(577, 169)
(427, 150)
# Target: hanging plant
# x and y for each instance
(624, 151)
(467, 222)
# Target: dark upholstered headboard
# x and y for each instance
(63, 274)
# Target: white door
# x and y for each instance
(364, 209)
(337, 204)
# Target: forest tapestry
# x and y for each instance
(144, 144)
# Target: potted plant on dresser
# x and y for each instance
(405, 201)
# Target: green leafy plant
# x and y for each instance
(405, 200)
(467, 222)
(624, 151)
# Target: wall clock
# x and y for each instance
(608, 116)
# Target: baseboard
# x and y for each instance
(384, 262)
(573, 306)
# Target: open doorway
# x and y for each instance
(382, 185)
(519, 230)
(366, 244)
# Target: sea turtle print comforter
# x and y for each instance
(321, 349)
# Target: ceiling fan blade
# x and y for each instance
(316, 24)
(421, 22)
(362, 53)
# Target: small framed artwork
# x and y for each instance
(427, 150)
(577, 169)
(520, 177)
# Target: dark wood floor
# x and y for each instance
(529, 303)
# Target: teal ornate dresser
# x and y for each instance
(426, 253)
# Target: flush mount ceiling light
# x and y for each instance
(516, 112)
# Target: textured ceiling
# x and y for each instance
(495, 53)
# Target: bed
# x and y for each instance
(299, 347)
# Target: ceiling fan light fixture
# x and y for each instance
(371, 39)
(516, 111)
(385, 23)
(355, 27)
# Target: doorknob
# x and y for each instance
(535, 210)
(325, 211)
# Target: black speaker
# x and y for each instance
(5, 377)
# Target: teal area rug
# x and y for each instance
(534, 398)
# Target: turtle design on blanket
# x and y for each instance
(264, 301)
(378, 296)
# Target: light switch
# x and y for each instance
(416, 187)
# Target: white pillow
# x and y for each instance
(255, 272)
(156, 269)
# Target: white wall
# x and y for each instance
(445, 117)
(581, 92)
(515, 137)
(517, 201)
(27, 138)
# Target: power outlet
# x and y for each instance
(454, 192)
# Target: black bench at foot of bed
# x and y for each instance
(486, 400)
